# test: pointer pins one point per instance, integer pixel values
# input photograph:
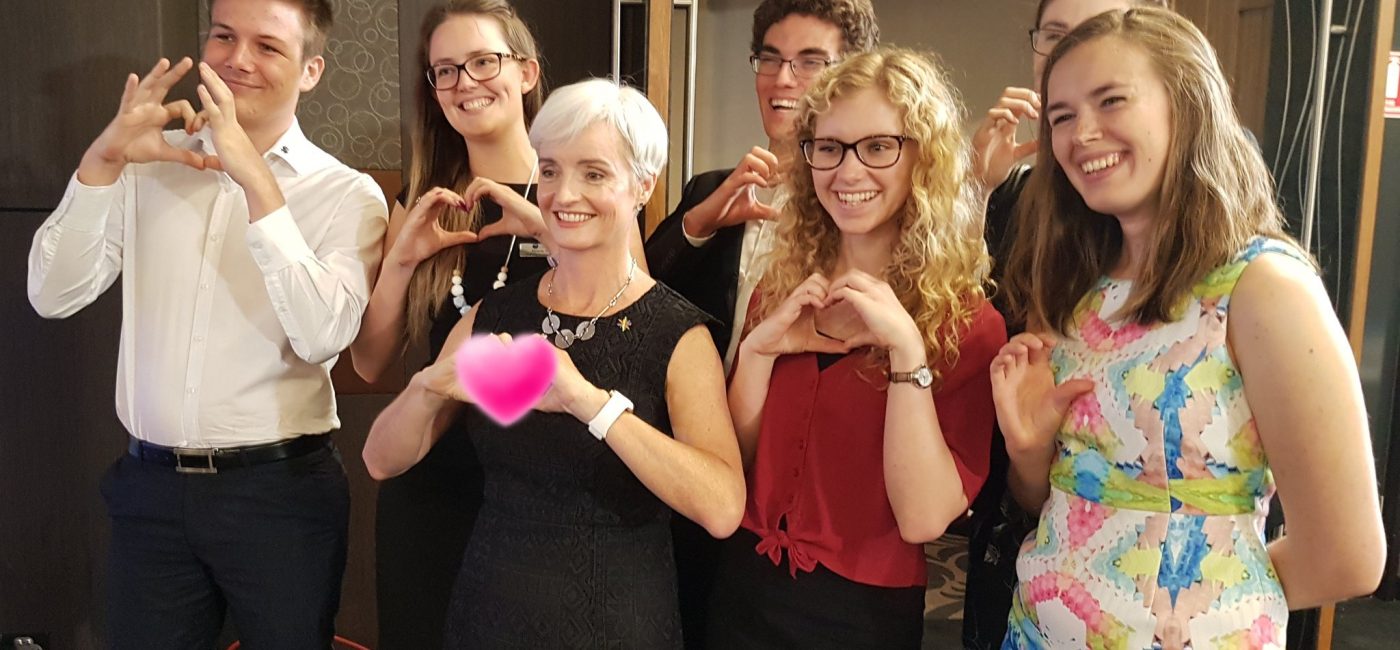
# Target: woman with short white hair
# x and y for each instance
(573, 546)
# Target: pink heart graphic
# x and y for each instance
(506, 380)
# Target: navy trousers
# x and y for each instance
(266, 543)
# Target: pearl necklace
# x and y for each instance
(563, 338)
(459, 299)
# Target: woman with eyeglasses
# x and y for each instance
(712, 249)
(998, 525)
(471, 155)
(861, 398)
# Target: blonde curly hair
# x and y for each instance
(939, 262)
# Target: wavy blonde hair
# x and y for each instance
(939, 262)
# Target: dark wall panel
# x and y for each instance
(66, 63)
(58, 433)
(1288, 119)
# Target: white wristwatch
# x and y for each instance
(608, 415)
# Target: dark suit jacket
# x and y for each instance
(707, 276)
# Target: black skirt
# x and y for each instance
(758, 605)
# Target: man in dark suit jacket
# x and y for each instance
(710, 248)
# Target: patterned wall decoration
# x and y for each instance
(354, 112)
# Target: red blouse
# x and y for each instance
(817, 487)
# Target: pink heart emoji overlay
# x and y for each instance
(506, 380)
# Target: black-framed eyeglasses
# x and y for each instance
(481, 67)
(875, 152)
(1044, 40)
(803, 67)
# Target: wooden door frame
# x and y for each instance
(1366, 222)
(659, 92)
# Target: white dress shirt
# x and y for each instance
(229, 329)
(753, 260)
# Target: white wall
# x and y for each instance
(983, 43)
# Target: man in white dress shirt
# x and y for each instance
(246, 256)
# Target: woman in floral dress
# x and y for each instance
(1183, 359)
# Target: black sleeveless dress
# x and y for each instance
(424, 516)
(570, 550)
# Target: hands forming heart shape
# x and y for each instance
(838, 316)
(136, 135)
(839, 321)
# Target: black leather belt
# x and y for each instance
(211, 460)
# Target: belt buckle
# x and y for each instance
(205, 466)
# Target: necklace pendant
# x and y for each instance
(563, 339)
(550, 324)
(585, 330)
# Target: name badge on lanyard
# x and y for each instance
(532, 249)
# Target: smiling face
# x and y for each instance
(255, 46)
(1062, 16)
(588, 193)
(861, 200)
(795, 36)
(1110, 124)
(480, 109)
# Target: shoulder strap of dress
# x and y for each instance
(1260, 245)
(1220, 283)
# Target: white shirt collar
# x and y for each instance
(293, 148)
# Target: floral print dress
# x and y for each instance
(1153, 533)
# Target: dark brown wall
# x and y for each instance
(65, 65)
(58, 433)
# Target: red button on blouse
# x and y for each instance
(817, 487)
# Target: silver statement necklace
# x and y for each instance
(459, 299)
(563, 338)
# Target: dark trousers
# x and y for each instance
(758, 606)
(423, 520)
(266, 542)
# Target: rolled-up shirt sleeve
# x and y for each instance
(77, 251)
(320, 293)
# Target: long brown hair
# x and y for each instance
(939, 261)
(441, 159)
(1216, 196)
